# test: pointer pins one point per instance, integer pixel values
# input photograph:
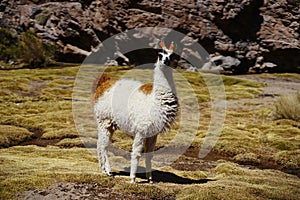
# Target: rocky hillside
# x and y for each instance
(241, 35)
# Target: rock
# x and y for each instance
(265, 67)
(191, 69)
(110, 62)
(244, 29)
(70, 49)
(269, 65)
(259, 59)
(121, 59)
(227, 63)
(251, 55)
(211, 66)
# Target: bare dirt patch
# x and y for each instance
(275, 84)
(66, 191)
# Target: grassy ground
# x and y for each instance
(256, 157)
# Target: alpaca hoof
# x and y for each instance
(111, 176)
(108, 174)
(132, 181)
(150, 181)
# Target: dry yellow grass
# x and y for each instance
(288, 107)
(40, 99)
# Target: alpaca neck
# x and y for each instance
(165, 100)
(163, 80)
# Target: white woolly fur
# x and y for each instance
(124, 106)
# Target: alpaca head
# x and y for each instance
(165, 55)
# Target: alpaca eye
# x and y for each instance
(160, 56)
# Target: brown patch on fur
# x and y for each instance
(104, 83)
(147, 88)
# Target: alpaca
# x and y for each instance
(141, 110)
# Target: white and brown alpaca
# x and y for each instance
(141, 110)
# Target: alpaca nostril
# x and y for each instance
(167, 62)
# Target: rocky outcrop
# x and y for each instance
(255, 35)
(279, 34)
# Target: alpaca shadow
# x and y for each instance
(162, 176)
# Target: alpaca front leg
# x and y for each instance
(137, 148)
(102, 145)
(149, 148)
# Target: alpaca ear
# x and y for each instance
(162, 44)
(171, 48)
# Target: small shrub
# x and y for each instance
(26, 49)
(288, 107)
(33, 53)
(9, 49)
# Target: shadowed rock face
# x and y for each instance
(253, 31)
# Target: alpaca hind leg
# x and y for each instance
(149, 148)
(137, 148)
(102, 147)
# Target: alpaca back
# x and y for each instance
(126, 105)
